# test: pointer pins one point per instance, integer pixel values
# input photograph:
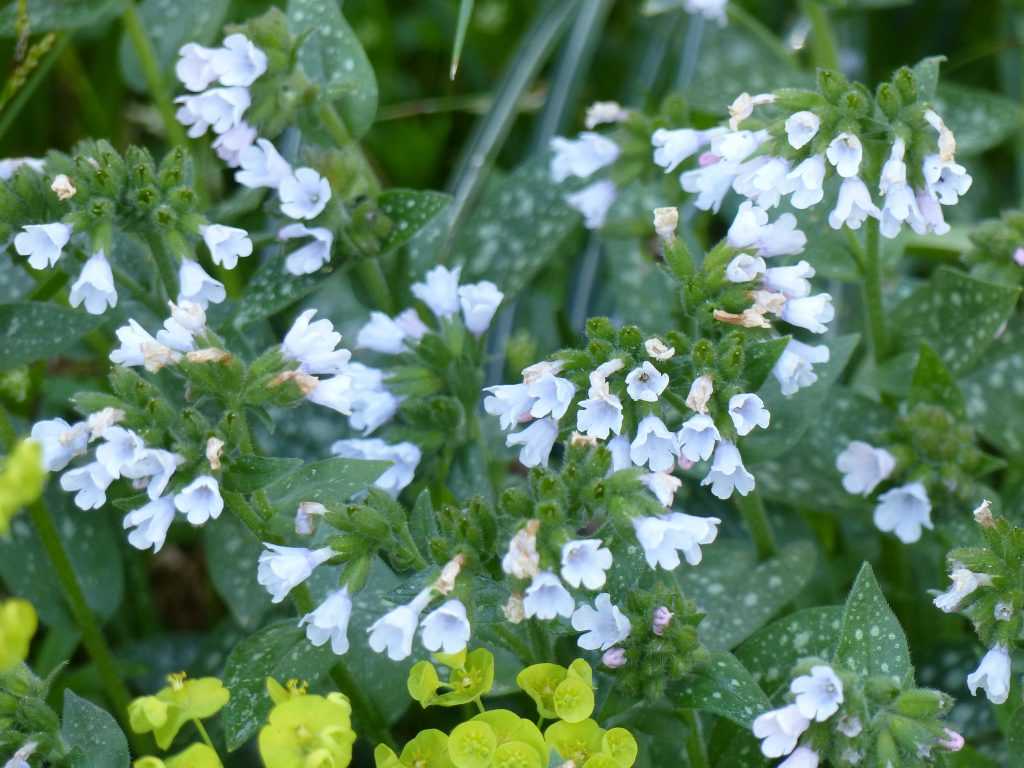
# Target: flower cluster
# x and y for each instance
(833, 715)
(181, 701)
(98, 194)
(983, 587)
(305, 728)
(582, 158)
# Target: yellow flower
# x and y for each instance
(21, 480)
(18, 624)
(165, 713)
(308, 731)
(196, 756)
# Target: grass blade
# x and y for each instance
(465, 14)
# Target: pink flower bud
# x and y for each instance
(614, 658)
(1018, 257)
(953, 742)
(662, 618)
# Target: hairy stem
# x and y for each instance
(372, 278)
(695, 751)
(151, 72)
(92, 636)
(751, 507)
(824, 48)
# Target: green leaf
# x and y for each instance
(232, 554)
(249, 473)
(1014, 740)
(979, 119)
(739, 596)
(57, 15)
(724, 688)
(280, 651)
(330, 482)
(791, 416)
(932, 383)
(995, 397)
(927, 72)
(32, 331)
(871, 641)
(410, 210)
(958, 315)
(92, 544)
(333, 57)
(772, 652)
(170, 24)
(92, 734)
(274, 288)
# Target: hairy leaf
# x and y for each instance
(35, 330)
(871, 641)
(95, 739)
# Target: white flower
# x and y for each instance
(581, 157)
(312, 345)
(845, 153)
(819, 694)
(658, 350)
(60, 441)
(329, 621)
(102, 420)
(94, 286)
(599, 376)
(663, 485)
(744, 268)
(603, 112)
(381, 334)
(281, 569)
(946, 141)
(310, 257)
(439, 290)
(150, 523)
(931, 213)
(90, 483)
(42, 243)
(805, 183)
(10, 165)
(238, 62)
(536, 440)
(546, 598)
(446, 628)
(646, 383)
(372, 403)
(781, 238)
(121, 447)
(945, 179)
(747, 411)
(795, 367)
(197, 286)
(409, 321)
(154, 464)
(665, 536)
(601, 413)
(712, 181)
(552, 396)
(697, 437)
(194, 68)
(863, 467)
(801, 127)
(200, 500)
(230, 144)
(802, 757)
(653, 445)
(303, 194)
(395, 630)
(511, 403)
(404, 458)
(584, 561)
(176, 336)
(779, 730)
(810, 312)
(728, 473)
(603, 626)
(188, 315)
(219, 108)
(712, 10)
(334, 392)
(904, 511)
(853, 205)
(791, 281)
(964, 583)
(479, 303)
(762, 180)
(745, 229)
(20, 758)
(593, 201)
(743, 105)
(522, 560)
(900, 205)
(671, 147)
(139, 348)
(992, 675)
(700, 393)
(619, 449)
(261, 166)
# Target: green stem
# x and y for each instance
(335, 126)
(164, 264)
(751, 507)
(8, 435)
(151, 72)
(824, 48)
(745, 19)
(695, 750)
(371, 275)
(92, 636)
(874, 310)
(202, 732)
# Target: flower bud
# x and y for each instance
(600, 328)
(513, 609)
(889, 100)
(665, 222)
(881, 688)
(662, 618)
(306, 517)
(62, 187)
(922, 703)
(831, 84)
(983, 514)
(614, 658)
(214, 450)
(658, 350)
